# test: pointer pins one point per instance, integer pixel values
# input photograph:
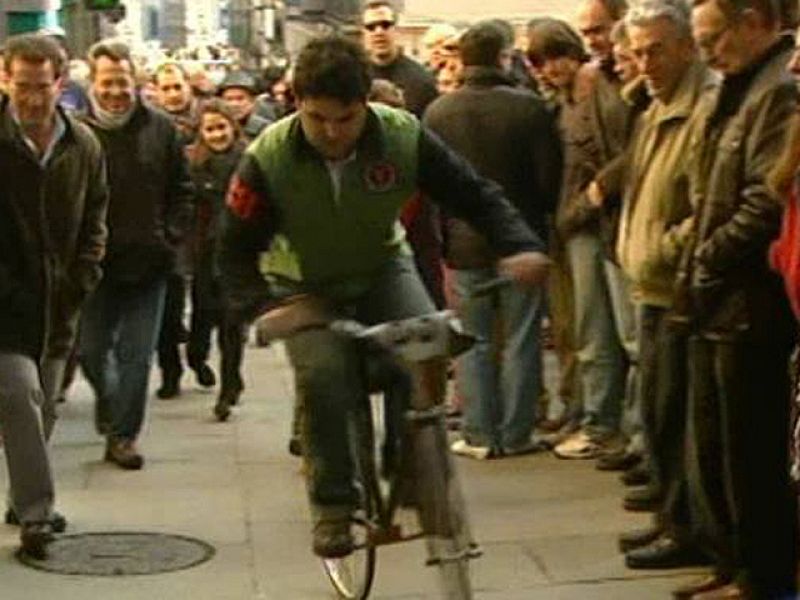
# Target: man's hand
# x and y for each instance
(526, 268)
(594, 194)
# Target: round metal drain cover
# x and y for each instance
(121, 553)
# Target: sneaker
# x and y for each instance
(554, 438)
(123, 453)
(333, 538)
(464, 448)
(580, 446)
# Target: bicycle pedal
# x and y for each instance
(384, 536)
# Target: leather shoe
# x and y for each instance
(699, 586)
(664, 553)
(618, 461)
(170, 386)
(333, 538)
(638, 475)
(123, 453)
(646, 499)
(637, 538)
(34, 539)
(205, 375)
(57, 521)
(728, 592)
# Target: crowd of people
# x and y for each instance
(650, 149)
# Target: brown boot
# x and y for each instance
(124, 454)
(34, 539)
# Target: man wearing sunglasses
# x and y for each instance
(388, 61)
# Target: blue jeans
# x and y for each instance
(119, 331)
(500, 377)
(601, 357)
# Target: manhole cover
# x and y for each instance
(121, 553)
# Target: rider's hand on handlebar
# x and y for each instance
(526, 268)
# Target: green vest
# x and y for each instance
(332, 244)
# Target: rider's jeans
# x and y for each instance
(327, 381)
(500, 377)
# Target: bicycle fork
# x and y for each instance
(442, 508)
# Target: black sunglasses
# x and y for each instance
(382, 24)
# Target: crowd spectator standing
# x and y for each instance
(593, 121)
(741, 328)
(507, 135)
(52, 238)
(378, 21)
(150, 210)
(655, 226)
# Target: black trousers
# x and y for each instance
(208, 313)
(664, 380)
(172, 328)
(743, 508)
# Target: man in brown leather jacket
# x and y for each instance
(735, 310)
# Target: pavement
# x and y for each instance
(548, 527)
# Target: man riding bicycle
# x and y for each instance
(319, 194)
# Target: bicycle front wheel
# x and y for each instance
(352, 575)
(442, 511)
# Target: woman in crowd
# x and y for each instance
(213, 159)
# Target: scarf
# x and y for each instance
(107, 119)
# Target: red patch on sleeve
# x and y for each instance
(411, 210)
(243, 200)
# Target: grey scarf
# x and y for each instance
(107, 119)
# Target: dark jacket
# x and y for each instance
(211, 178)
(418, 85)
(725, 287)
(508, 136)
(52, 237)
(151, 204)
(595, 130)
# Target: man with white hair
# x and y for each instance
(654, 228)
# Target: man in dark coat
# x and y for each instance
(744, 510)
(388, 61)
(509, 136)
(149, 213)
(52, 238)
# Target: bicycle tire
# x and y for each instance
(352, 576)
(442, 512)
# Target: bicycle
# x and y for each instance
(415, 446)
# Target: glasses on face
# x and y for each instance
(375, 25)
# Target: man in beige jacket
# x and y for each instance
(656, 221)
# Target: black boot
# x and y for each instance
(170, 385)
